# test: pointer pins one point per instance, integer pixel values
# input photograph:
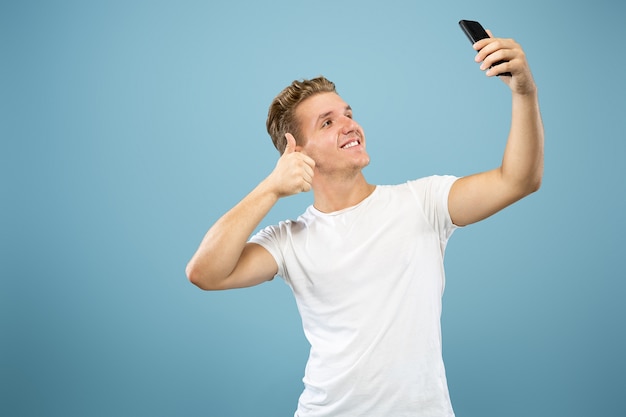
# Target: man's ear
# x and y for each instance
(298, 146)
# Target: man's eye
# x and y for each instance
(326, 123)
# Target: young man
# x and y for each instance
(365, 262)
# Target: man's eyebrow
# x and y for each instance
(328, 113)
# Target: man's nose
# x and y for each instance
(348, 124)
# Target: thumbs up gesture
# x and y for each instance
(291, 144)
(293, 172)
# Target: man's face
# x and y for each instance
(331, 136)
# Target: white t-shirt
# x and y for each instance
(368, 282)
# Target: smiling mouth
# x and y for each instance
(351, 144)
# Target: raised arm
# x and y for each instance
(478, 196)
(224, 260)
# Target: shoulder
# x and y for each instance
(432, 186)
(285, 227)
(433, 181)
(421, 187)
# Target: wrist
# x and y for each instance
(268, 189)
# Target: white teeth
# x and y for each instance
(350, 144)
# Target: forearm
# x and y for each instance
(522, 164)
(478, 196)
(223, 244)
(222, 248)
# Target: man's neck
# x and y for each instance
(335, 195)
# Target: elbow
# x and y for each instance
(196, 276)
(528, 188)
(193, 275)
(537, 180)
(523, 188)
(529, 184)
(535, 185)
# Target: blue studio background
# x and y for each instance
(128, 127)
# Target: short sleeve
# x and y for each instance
(432, 193)
(271, 239)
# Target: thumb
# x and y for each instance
(291, 143)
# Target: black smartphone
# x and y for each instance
(476, 32)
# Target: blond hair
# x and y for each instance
(281, 117)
